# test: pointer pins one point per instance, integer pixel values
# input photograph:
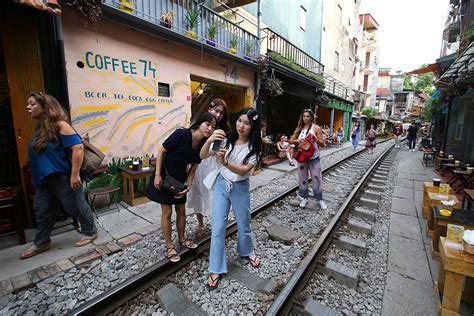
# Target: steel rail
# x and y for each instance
(283, 303)
(133, 286)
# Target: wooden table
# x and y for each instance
(458, 217)
(455, 266)
(129, 177)
(435, 199)
(427, 188)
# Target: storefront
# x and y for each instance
(337, 113)
(129, 90)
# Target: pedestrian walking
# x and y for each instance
(199, 197)
(412, 134)
(312, 166)
(177, 152)
(355, 135)
(242, 152)
(370, 142)
(55, 154)
(397, 132)
(285, 150)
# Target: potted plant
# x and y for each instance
(167, 18)
(192, 17)
(234, 40)
(212, 30)
(248, 51)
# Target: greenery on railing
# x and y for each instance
(282, 60)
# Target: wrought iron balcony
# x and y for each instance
(278, 44)
(337, 88)
(229, 38)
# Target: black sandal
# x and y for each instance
(214, 281)
(172, 254)
(188, 244)
(255, 262)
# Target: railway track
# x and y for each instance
(311, 236)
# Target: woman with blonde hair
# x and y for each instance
(55, 154)
(199, 197)
(312, 167)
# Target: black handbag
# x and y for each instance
(172, 185)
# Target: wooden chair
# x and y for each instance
(9, 207)
(109, 190)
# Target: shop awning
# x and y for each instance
(465, 62)
(44, 5)
(429, 68)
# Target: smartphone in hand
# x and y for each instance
(217, 145)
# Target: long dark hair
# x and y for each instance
(223, 124)
(300, 125)
(203, 117)
(255, 138)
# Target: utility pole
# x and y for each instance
(259, 35)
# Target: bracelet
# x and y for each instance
(226, 162)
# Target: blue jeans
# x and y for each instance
(312, 166)
(412, 143)
(237, 194)
(56, 188)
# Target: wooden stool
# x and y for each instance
(456, 266)
(435, 199)
(129, 176)
(427, 188)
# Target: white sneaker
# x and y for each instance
(323, 205)
(303, 202)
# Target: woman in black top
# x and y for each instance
(179, 150)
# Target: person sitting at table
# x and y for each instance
(179, 150)
(285, 149)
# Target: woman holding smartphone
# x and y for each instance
(242, 153)
(199, 197)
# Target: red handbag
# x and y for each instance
(305, 150)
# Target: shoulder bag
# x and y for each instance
(172, 185)
(305, 150)
(93, 156)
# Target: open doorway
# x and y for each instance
(204, 90)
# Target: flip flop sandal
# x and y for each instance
(34, 250)
(214, 281)
(255, 262)
(188, 244)
(172, 255)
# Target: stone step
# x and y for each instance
(342, 274)
(369, 202)
(175, 303)
(359, 227)
(251, 280)
(312, 307)
(355, 245)
(373, 195)
(364, 213)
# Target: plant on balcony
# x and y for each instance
(262, 65)
(89, 10)
(282, 60)
(248, 50)
(230, 15)
(212, 31)
(167, 18)
(234, 40)
(192, 18)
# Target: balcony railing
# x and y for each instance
(151, 11)
(280, 45)
(337, 87)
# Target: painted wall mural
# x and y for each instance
(129, 90)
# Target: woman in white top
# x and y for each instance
(313, 164)
(199, 197)
(232, 189)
